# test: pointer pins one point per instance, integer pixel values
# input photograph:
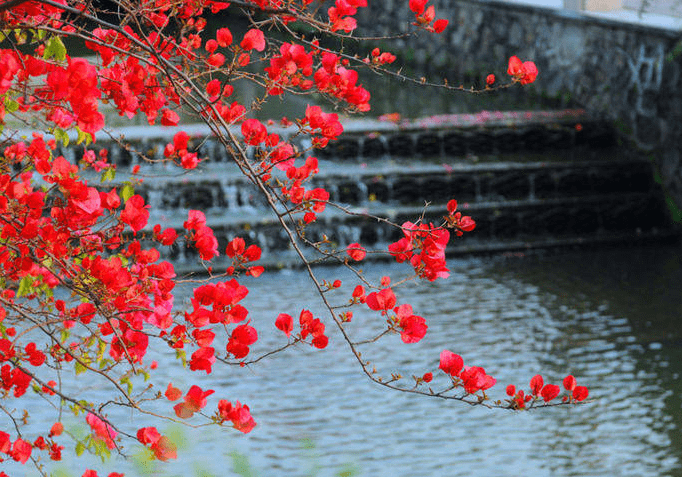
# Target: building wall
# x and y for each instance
(629, 73)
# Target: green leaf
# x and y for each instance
(125, 380)
(79, 368)
(25, 286)
(10, 105)
(55, 48)
(61, 135)
(127, 191)
(80, 448)
(675, 211)
(109, 174)
(83, 137)
(41, 34)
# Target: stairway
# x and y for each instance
(529, 180)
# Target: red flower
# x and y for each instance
(254, 132)
(418, 6)
(172, 393)
(427, 378)
(56, 429)
(525, 72)
(239, 414)
(475, 379)
(450, 362)
(224, 37)
(580, 393)
(5, 442)
(569, 383)
(242, 337)
(135, 213)
(490, 79)
(148, 435)
(161, 446)
(21, 450)
(356, 252)
(536, 384)
(195, 400)
(169, 118)
(285, 323)
(382, 300)
(413, 327)
(440, 25)
(253, 40)
(202, 359)
(102, 430)
(550, 391)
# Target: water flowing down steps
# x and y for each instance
(530, 180)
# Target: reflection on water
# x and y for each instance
(610, 317)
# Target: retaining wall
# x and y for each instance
(630, 73)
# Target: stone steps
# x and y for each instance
(528, 181)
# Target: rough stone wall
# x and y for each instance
(631, 74)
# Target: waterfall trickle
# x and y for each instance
(547, 196)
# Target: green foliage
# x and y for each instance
(127, 191)
(54, 48)
(241, 465)
(675, 211)
(61, 135)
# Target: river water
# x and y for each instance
(611, 317)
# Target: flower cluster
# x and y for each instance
(548, 392)
(423, 245)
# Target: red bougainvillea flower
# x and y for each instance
(102, 430)
(254, 132)
(490, 79)
(569, 383)
(525, 72)
(381, 300)
(313, 327)
(56, 429)
(285, 323)
(475, 379)
(536, 383)
(169, 118)
(239, 414)
(550, 391)
(440, 25)
(253, 40)
(413, 327)
(135, 213)
(172, 393)
(161, 446)
(418, 6)
(450, 362)
(356, 252)
(580, 393)
(242, 337)
(455, 219)
(21, 450)
(224, 37)
(195, 400)
(5, 442)
(427, 378)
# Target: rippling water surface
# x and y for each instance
(613, 318)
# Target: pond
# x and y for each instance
(611, 317)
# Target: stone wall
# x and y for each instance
(629, 73)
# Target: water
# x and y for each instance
(610, 317)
